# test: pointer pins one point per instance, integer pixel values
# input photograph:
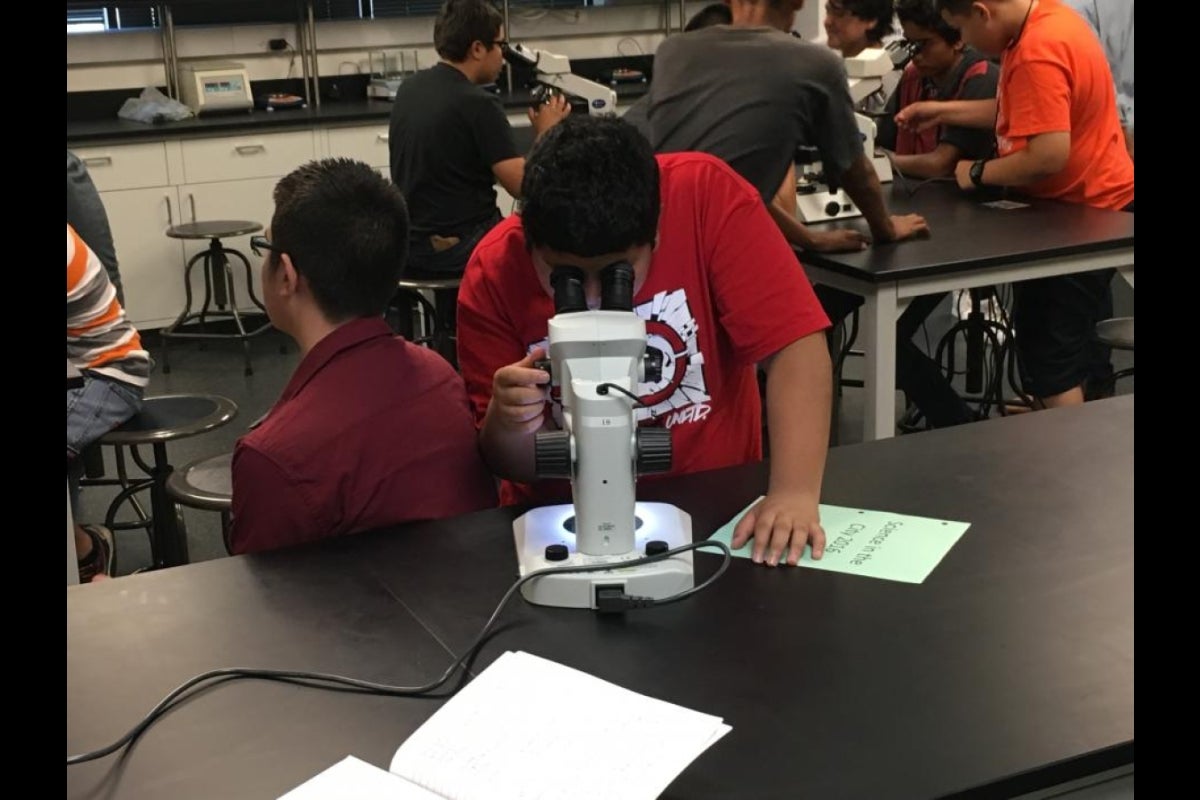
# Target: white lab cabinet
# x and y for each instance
(151, 264)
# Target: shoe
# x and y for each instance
(100, 560)
(912, 421)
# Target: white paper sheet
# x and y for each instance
(530, 729)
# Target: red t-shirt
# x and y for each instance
(371, 431)
(723, 291)
(1055, 79)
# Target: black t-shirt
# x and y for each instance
(445, 135)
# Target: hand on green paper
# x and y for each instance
(781, 525)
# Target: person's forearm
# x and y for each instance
(796, 234)
(509, 454)
(799, 396)
(968, 113)
(1030, 165)
(924, 165)
(862, 184)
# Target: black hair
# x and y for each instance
(958, 8)
(924, 13)
(715, 14)
(590, 188)
(345, 228)
(461, 23)
(879, 10)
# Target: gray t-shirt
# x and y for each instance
(85, 213)
(750, 96)
(1112, 20)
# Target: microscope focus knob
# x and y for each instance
(656, 547)
(557, 552)
(552, 454)
(653, 450)
(833, 208)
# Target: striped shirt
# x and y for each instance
(99, 337)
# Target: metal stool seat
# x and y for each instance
(1117, 333)
(162, 419)
(218, 286)
(206, 484)
(437, 328)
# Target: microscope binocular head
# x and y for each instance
(570, 293)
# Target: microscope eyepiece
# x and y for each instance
(616, 287)
(569, 295)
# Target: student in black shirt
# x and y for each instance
(450, 140)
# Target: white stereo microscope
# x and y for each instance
(597, 359)
(554, 71)
(816, 199)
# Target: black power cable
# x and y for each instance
(332, 682)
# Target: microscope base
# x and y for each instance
(541, 527)
(822, 205)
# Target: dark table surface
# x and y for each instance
(966, 234)
(81, 133)
(1009, 669)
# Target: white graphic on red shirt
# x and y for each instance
(671, 328)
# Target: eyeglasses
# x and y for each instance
(501, 42)
(914, 47)
(258, 244)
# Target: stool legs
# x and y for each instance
(218, 288)
(226, 286)
(446, 324)
(170, 543)
(168, 539)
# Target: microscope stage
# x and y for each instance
(543, 527)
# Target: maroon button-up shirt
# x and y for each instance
(371, 431)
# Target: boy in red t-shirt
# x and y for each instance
(719, 288)
(1059, 137)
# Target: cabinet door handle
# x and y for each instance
(170, 216)
(247, 149)
(192, 203)
(383, 137)
(98, 161)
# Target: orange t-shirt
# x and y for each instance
(1055, 79)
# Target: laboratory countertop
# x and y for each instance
(1008, 671)
(331, 113)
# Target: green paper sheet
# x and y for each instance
(874, 544)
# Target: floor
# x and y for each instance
(217, 369)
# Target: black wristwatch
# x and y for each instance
(977, 172)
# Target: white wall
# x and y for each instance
(132, 60)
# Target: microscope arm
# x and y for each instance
(593, 92)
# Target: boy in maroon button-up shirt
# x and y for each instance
(370, 431)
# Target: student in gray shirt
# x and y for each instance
(750, 93)
(85, 213)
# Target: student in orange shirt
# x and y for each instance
(1059, 137)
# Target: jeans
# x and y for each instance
(425, 262)
(93, 410)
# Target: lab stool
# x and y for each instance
(162, 419)
(206, 484)
(1117, 333)
(218, 286)
(429, 324)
